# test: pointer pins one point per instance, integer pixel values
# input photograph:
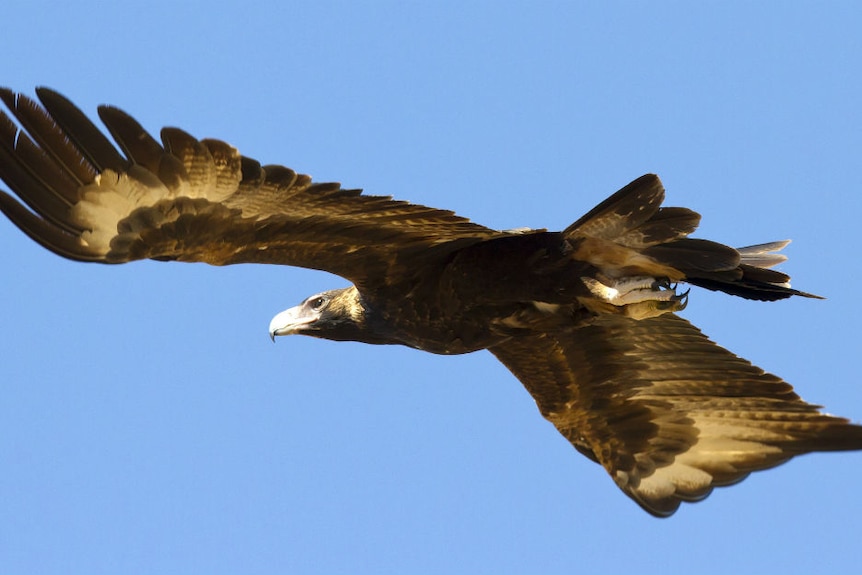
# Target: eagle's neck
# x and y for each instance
(351, 317)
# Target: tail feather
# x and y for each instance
(751, 283)
(742, 272)
(633, 221)
(694, 256)
(764, 255)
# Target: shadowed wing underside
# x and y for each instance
(194, 200)
(667, 412)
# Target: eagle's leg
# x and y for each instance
(638, 297)
(625, 291)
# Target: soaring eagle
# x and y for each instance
(585, 318)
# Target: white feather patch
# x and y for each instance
(111, 198)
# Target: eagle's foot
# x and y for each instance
(639, 297)
(630, 290)
(654, 308)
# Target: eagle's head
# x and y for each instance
(337, 314)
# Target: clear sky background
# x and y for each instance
(148, 425)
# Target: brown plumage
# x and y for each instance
(583, 317)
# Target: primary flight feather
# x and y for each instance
(585, 318)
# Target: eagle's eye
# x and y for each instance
(318, 303)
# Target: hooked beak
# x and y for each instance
(289, 321)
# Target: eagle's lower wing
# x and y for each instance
(667, 412)
(190, 200)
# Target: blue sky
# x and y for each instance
(147, 424)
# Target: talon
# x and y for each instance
(682, 300)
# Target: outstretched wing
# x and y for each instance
(667, 412)
(190, 200)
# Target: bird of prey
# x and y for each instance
(586, 318)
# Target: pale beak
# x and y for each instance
(289, 321)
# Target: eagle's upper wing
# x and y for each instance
(667, 412)
(191, 200)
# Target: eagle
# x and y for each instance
(586, 318)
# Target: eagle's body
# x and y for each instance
(457, 301)
(584, 317)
